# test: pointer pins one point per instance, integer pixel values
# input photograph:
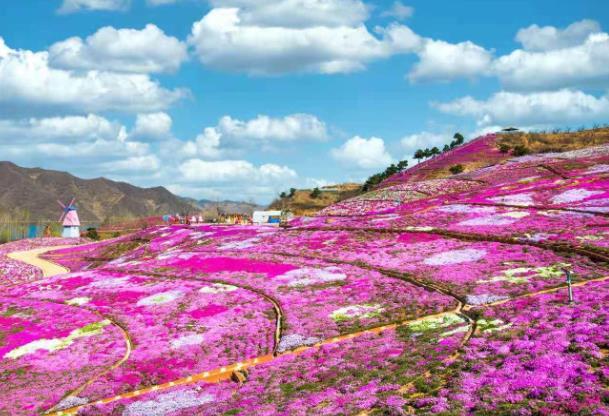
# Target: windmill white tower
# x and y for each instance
(69, 218)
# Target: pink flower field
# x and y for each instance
(424, 296)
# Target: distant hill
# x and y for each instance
(303, 203)
(225, 207)
(497, 148)
(37, 191)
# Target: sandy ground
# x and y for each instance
(31, 257)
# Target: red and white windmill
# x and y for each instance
(69, 219)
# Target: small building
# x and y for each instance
(266, 217)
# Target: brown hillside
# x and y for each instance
(37, 190)
(303, 204)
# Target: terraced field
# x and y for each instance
(438, 296)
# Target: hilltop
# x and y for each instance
(308, 202)
(497, 148)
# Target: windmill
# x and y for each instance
(70, 221)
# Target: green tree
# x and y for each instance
(315, 193)
(459, 139)
(455, 169)
(418, 155)
(292, 192)
(434, 151)
(402, 165)
(283, 195)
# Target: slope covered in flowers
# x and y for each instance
(424, 297)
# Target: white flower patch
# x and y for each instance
(160, 298)
(218, 288)
(192, 339)
(484, 299)
(537, 237)
(598, 169)
(108, 283)
(574, 195)
(455, 257)
(386, 218)
(515, 214)
(167, 403)
(466, 209)
(309, 276)
(493, 220)
(356, 311)
(523, 200)
(240, 245)
(419, 229)
(78, 301)
(55, 344)
(71, 401)
(434, 322)
(292, 341)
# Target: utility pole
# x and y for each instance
(569, 287)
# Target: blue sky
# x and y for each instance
(242, 99)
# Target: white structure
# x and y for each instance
(69, 218)
(266, 217)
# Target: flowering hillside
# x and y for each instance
(425, 296)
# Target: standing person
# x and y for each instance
(47, 231)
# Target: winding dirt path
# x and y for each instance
(32, 257)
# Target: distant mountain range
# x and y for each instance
(37, 190)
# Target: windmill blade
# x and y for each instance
(62, 216)
(61, 204)
(72, 202)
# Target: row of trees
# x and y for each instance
(458, 140)
(380, 177)
(284, 195)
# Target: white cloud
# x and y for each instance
(297, 13)
(71, 6)
(27, 81)
(227, 39)
(64, 129)
(363, 153)
(121, 50)
(264, 128)
(146, 164)
(535, 38)
(584, 65)
(443, 61)
(197, 170)
(155, 126)
(423, 139)
(399, 11)
(552, 107)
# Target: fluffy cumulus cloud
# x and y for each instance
(399, 11)
(297, 13)
(71, 6)
(547, 38)
(551, 107)
(147, 50)
(583, 65)
(197, 170)
(362, 153)
(140, 164)
(424, 139)
(28, 81)
(443, 61)
(91, 143)
(68, 129)
(152, 126)
(263, 130)
(270, 37)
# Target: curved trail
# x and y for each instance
(50, 269)
(32, 258)
(225, 373)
